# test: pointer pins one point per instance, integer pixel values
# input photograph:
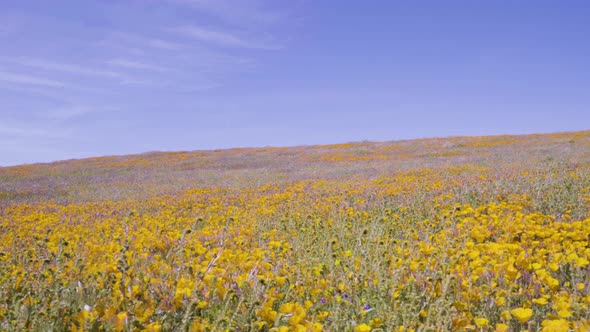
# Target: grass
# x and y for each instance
(464, 233)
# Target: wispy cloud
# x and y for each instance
(13, 131)
(142, 83)
(244, 11)
(199, 88)
(163, 44)
(132, 64)
(139, 44)
(29, 80)
(66, 112)
(48, 87)
(221, 38)
(64, 67)
(54, 69)
(28, 130)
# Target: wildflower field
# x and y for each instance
(454, 234)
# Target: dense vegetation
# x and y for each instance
(481, 233)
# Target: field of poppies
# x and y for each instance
(454, 234)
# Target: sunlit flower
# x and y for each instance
(522, 314)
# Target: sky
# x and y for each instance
(92, 78)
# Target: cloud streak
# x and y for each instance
(163, 44)
(66, 113)
(221, 38)
(245, 11)
(137, 65)
(29, 80)
(16, 130)
(138, 43)
(64, 67)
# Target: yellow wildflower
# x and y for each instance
(501, 327)
(362, 328)
(555, 325)
(481, 322)
(522, 314)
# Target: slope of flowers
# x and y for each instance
(450, 248)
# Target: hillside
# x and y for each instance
(449, 234)
(151, 174)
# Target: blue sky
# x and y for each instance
(90, 78)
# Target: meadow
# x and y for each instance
(451, 234)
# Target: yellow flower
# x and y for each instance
(564, 313)
(555, 325)
(316, 327)
(376, 322)
(120, 321)
(362, 328)
(153, 327)
(552, 283)
(280, 280)
(522, 314)
(501, 327)
(481, 322)
(582, 326)
(540, 301)
(506, 315)
(299, 328)
(322, 315)
(582, 262)
(287, 308)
